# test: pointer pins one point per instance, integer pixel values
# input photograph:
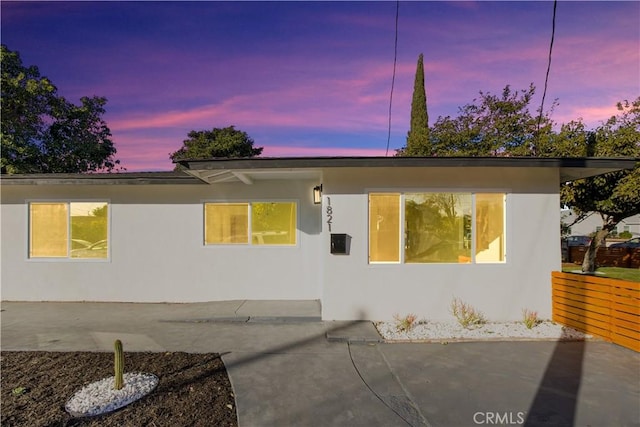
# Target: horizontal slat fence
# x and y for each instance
(606, 257)
(608, 308)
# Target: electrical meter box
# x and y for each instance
(339, 244)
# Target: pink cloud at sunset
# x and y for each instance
(286, 151)
(314, 78)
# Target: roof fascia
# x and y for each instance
(331, 162)
(122, 178)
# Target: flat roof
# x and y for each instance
(571, 168)
(332, 162)
(201, 171)
(119, 178)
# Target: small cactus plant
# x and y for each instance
(118, 365)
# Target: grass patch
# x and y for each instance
(630, 274)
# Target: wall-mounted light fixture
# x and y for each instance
(317, 194)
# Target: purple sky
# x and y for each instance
(313, 78)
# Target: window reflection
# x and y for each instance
(271, 223)
(74, 229)
(437, 227)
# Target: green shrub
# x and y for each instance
(530, 318)
(466, 315)
(406, 323)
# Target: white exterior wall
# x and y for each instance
(156, 247)
(157, 252)
(355, 289)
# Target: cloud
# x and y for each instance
(355, 101)
(152, 153)
(592, 116)
(296, 151)
(318, 75)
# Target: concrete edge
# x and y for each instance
(446, 341)
(248, 319)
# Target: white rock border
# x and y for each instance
(100, 397)
(427, 331)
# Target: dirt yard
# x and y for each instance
(194, 389)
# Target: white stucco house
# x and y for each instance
(593, 223)
(385, 236)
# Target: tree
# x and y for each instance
(504, 126)
(225, 142)
(42, 132)
(492, 126)
(573, 140)
(418, 135)
(613, 196)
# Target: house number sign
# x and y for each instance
(329, 212)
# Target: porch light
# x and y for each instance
(317, 194)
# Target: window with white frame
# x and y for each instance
(76, 230)
(437, 227)
(250, 223)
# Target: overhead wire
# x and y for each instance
(546, 79)
(393, 78)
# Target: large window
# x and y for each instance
(436, 227)
(255, 223)
(68, 230)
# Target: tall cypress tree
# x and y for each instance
(418, 136)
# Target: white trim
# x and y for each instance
(250, 243)
(67, 258)
(402, 231)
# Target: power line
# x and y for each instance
(546, 79)
(393, 78)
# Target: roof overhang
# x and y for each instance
(125, 178)
(248, 170)
(250, 175)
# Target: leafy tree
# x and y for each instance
(613, 196)
(492, 126)
(101, 211)
(504, 126)
(225, 142)
(418, 135)
(573, 140)
(42, 132)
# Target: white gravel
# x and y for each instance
(100, 397)
(451, 331)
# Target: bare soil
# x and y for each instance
(194, 389)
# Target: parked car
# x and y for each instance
(578, 240)
(631, 243)
(79, 244)
(96, 250)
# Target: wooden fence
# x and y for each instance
(606, 257)
(608, 308)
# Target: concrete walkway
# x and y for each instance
(288, 368)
